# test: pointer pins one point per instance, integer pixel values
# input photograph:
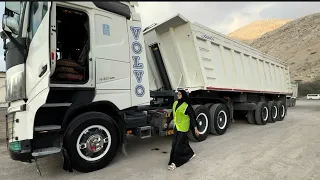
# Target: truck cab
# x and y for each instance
(70, 62)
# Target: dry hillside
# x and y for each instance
(256, 29)
(297, 42)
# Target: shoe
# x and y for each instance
(194, 155)
(172, 167)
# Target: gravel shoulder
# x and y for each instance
(283, 150)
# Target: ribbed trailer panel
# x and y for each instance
(197, 57)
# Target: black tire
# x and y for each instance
(294, 102)
(261, 114)
(273, 112)
(282, 109)
(251, 118)
(219, 119)
(201, 112)
(77, 126)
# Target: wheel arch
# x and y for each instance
(106, 107)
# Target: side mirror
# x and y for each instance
(10, 24)
(10, 18)
(13, 6)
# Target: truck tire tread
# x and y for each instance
(78, 124)
(281, 104)
(258, 113)
(271, 118)
(214, 110)
(198, 109)
(251, 118)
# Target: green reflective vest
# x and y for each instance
(181, 121)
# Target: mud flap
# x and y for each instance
(67, 166)
(124, 148)
(124, 142)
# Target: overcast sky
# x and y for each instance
(224, 17)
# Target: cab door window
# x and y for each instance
(37, 13)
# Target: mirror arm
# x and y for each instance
(15, 42)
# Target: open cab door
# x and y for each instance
(30, 27)
(41, 42)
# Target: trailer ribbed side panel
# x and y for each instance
(197, 57)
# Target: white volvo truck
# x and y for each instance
(81, 76)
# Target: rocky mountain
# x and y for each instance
(298, 43)
(256, 29)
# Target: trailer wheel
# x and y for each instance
(251, 118)
(294, 102)
(92, 140)
(282, 110)
(273, 112)
(262, 113)
(219, 119)
(202, 116)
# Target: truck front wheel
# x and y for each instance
(91, 141)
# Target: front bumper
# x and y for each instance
(19, 150)
(24, 154)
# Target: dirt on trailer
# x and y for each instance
(289, 149)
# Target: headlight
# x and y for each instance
(15, 87)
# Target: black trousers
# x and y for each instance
(181, 151)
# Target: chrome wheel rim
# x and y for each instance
(93, 143)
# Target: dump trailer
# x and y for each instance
(292, 98)
(82, 76)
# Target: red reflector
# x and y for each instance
(52, 56)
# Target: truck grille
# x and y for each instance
(9, 126)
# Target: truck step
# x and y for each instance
(45, 151)
(47, 128)
(144, 132)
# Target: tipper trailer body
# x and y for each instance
(82, 75)
(197, 57)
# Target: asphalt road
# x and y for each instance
(283, 150)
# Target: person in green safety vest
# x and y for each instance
(184, 119)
